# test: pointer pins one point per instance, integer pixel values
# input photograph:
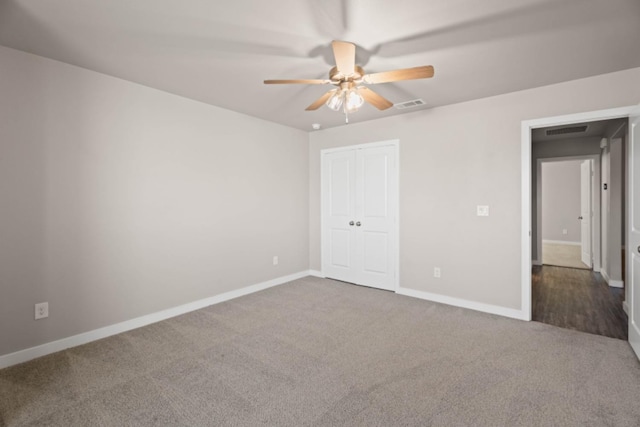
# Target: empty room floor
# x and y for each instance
(319, 352)
(578, 299)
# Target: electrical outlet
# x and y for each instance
(42, 310)
(564, 231)
(275, 260)
(436, 272)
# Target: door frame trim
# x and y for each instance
(395, 143)
(525, 166)
(596, 203)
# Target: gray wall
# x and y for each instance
(117, 200)
(612, 203)
(549, 150)
(616, 133)
(561, 200)
(453, 158)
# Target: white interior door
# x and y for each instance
(633, 233)
(585, 211)
(375, 212)
(359, 209)
(338, 215)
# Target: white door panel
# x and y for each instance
(376, 252)
(359, 215)
(585, 211)
(633, 233)
(375, 183)
(340, 248)
(375, 204)
(340, 195)
(338, 205)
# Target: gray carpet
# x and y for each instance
(563, 255)
(319, 352)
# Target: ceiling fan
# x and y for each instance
(350, 93)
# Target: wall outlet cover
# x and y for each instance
(42, 310)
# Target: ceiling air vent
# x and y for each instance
(567, 130)
(409, 104)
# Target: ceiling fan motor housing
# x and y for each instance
(336, 77)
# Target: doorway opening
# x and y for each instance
(577, 229)
(568, 211)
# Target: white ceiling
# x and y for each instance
(219, 52)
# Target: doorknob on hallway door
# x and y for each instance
(358, 224)
(638, 248)
(350, 222)
(580, 217)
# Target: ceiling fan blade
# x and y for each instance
(320, 101)
(297, 81)
(423, 72)
(374, 99)
(345, 56)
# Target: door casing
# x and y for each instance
(633, 231)
(525, 166)
(586, 208)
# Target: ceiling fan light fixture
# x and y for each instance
(353, 101)
(336, 100)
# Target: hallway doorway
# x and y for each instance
(568, 195)
(577, 228)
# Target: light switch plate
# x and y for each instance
(483, 210)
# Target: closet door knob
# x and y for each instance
(350, 222)
(358, 224)
(580, 217)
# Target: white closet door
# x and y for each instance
(376, 212)
(359, 208)
(338, 211)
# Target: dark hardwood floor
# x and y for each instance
(577, 299)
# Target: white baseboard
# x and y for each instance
(611, 282)
(316, 273)
(625, 307)
(616, 283)
(472, 305)
(83, 338)
(562, 242)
